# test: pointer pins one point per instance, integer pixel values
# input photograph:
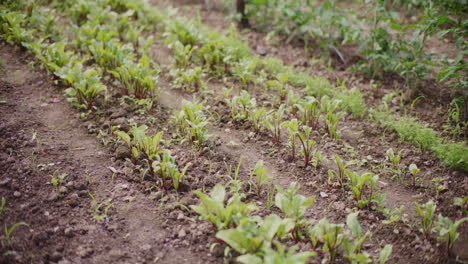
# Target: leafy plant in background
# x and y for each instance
(394, 159)
(138, 141)
(257, 118)
(280, 86)
(244, 70)
(190, 79)
(342, 171)
(192, 122)
(294, 206)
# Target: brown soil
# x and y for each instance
(147, 225)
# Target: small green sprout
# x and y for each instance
(273, 124)
(9, 231)
(438, 186)
(394, 159)
(58, 179)
(293, 130)
(307, 144)
(261, 176)
(2, 205)
(413, 169)
(100, 210)
(257, 118)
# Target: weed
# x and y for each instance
(9, 231)
(100, 210)
(57, 180)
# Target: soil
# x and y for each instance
(41, 134)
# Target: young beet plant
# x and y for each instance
(306, 143)
(309, 112)
(261, 176)
(85, 85)
(293, 130)
(192, 123)
(294, 206)
(273, 124)
(257, 118)
(221, 214)
(448, 230)
(167, 169)
(280, 86)
(329, 107)
(138, 79)
(360, 184)
(426, 213)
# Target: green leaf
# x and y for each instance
(384, 255)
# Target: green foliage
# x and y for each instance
(255, 235)
(139, 79)
(85, 85)
(261, 176)
(12, 30)
(257, 118)
(457, 201)
(448, 230)
(306, 143)
(9, 231)
(362, 184)
(394, 159)
(245, 69)
(309, 112)
(330, 235)
(342, 171)
(426, 214)
(241, 105)
(280, 255)
(100, 210)
(167, 169)
(57, 180)
(293, 206)
(222, 215)
(273, 123)
(293, 130)
(192, 122)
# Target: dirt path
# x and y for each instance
(61, 227)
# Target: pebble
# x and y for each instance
(182, 233)
(5, 182)
(17, 194)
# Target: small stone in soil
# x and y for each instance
(17, 194)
